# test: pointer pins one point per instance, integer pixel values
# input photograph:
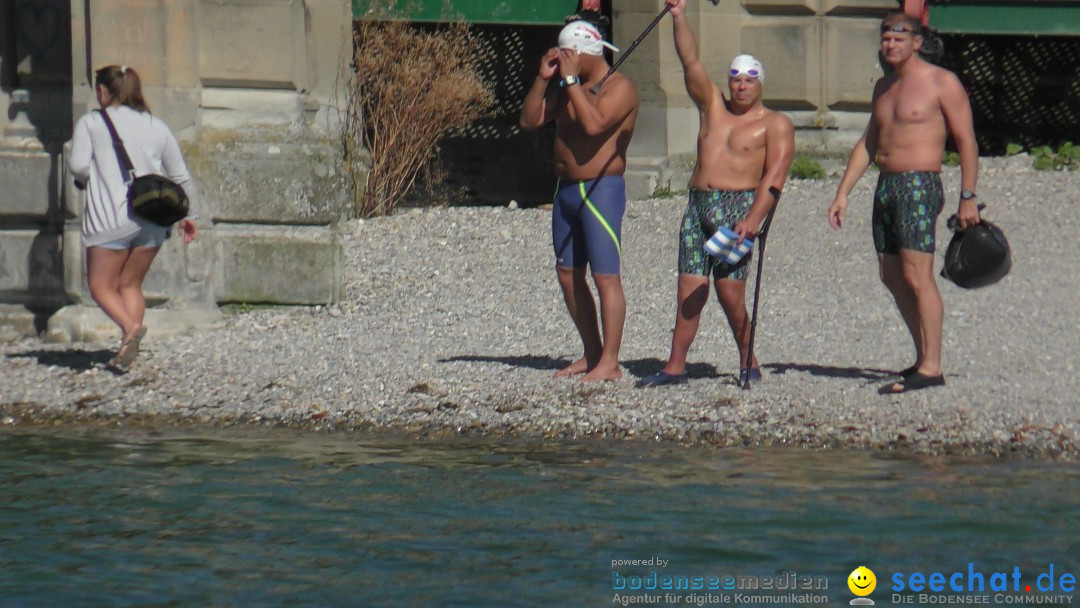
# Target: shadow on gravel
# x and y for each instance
(642, 368)
(638, 368)
(831, 371)
(533, 361)
(79, 360)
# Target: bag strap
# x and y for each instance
(127, 170)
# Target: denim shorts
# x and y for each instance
(150, 235)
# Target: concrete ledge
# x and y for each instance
(641, 183)
(278, 265)
(269, 182)
(16, 322)
(31, 266)
(26, 177)
(232, 108)
(88, 324)
(645, 174)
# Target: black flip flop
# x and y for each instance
(913, 382)
(907, 371)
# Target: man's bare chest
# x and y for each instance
(739, 137)
(907, 104)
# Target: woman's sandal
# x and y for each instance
(129, 349)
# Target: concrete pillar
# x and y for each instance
(35, 120)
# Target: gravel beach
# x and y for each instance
(453, 324)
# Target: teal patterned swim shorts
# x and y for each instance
(707, 211)
(906, 207)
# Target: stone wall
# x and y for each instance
(249, 87)
(35, 121)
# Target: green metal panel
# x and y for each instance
(1035, 17)
(533, 12)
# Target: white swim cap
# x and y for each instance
(583, 37)
(748, 65)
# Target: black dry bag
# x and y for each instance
(158, 199)
(977, 257)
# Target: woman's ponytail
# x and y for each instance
(124, 85)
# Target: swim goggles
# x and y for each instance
(897, 28)
(751, 72)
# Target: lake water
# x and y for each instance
(302, 519)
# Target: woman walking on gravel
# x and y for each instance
(120, 246)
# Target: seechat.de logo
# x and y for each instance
(862, 582)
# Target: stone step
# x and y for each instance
(78, 323)
(25, 177)
(645, 174)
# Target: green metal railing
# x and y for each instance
(1024, 18)
(532, 12)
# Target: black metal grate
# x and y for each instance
(492, 160)
(503, 69)
(1024, 90)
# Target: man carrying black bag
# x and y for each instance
(915, 106)
(978, 256)
(121, 245)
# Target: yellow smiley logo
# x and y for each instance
(862, 581)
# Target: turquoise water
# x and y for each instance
(296, 519)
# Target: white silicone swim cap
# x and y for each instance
(583, 37)
(748, 65)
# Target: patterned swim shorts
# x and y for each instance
(707, 211)
(906, 207)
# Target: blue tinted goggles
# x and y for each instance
(752, 73)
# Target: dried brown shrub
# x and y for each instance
(409, 88)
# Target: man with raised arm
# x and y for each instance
(743, 153)
(591, 137)
(915, 105)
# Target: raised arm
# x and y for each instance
(957, 110)
(539, 106)
(698, 85)
(598, 114)
(779, 151)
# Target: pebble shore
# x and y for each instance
(453, 324)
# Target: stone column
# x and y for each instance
(35, 120)
(157, 39)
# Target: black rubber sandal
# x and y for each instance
(913, 382)
(907, 371)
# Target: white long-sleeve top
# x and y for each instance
(152, 149)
